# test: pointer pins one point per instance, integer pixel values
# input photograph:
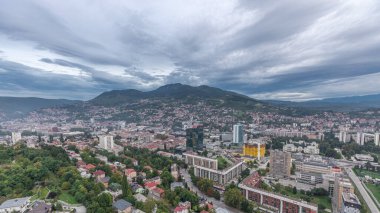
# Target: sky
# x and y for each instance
(282, 50)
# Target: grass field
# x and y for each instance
(40, 193)
(375, 189)
(362, 173)
(64, 196)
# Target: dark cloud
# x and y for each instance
(254, 47)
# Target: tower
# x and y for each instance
(238, 134)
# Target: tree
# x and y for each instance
(166, 179)
(126, 188)
(294, 190)
(247, 206)
(233, 197)
(245, 173)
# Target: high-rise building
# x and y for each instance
(343, 137)
(16, 136)
(342, 185)
(194, 138)
(106, 142)
(377, 138)
(174, 171)
(254, 149)
(280, 163)
(238, 134)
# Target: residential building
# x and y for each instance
(313, 150)
(194, 138)
(289, 148)
(238, 134)
(106, 142)
(140, 197)
(99, 174)
(174, 171)
(254, 149)
(208, 168)
(130, 173)
(342, 185)
(344, 137)
(350, 203)
(122, 206)
(280, 164)
(16, 136)
(40, 207)
(156, 193)
(271, 201)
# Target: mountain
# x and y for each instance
(352, 103)
(13, 106)
(179, 92)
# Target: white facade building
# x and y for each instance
(16, 136)
(106, 142)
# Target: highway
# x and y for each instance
(371, 205)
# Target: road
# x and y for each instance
(366, 197)
(216, 203)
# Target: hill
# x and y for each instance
(179, 92)
(14, 106)
(352, 103)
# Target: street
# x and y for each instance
(216, 203)
(371, 205)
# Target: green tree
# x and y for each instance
(166, 179)
(126, 188)
(233, 197)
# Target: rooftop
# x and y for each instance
(17, 202)
(121, 204)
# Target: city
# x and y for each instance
(174, 106)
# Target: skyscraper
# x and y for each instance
(238, 134)
(194, 138)
(280, 163)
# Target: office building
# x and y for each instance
(16, 136)
(194, 138)
(342, 185)
(310, 178)
(280, 163)
(350, 203)
(208, 168)
(238, 134)
(106, 142)
(254, 149)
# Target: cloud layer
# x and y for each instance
(288, 50)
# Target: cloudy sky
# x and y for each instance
(286, 50)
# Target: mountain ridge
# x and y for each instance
(13, 106)
(172, 91)
(349, 103)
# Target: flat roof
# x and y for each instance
(17, 202)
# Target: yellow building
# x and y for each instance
(254, 149)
